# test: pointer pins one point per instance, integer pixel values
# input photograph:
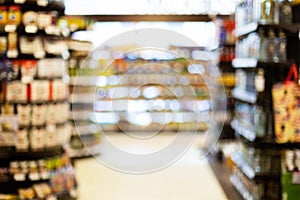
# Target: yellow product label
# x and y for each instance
(3, 17)
(14, 17)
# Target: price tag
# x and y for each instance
(19, 177)
(10, 28)
(12, 53)
(43, 3)
(31, 29)
(20, 1)
(34, 176)
(296, 178)
(39, 54)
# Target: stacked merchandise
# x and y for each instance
(227, 54)
(224, 84)
(265, 121)
(149, 91)
(34, 107)
(85, 138)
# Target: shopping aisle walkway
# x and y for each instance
(190, 178)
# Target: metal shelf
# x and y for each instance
(154, 17)
(245, 96)
(251, 27)
(240, 187)
(30, 154)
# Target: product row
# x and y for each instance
(36, 91)
(262, 161)
(35, 46)
(268, 189)
(267, 12)
(103, 62)
(256, 171)
(167, 106)
(167, 80)
(37, 138)
(169, 66)
(151, 92)
(11, 17)
(62, 183)
(37, 114)
(34, 170)
(265, 45)
(39, 3)
(45, 190)
(28, 70)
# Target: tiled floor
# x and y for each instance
(190, 178)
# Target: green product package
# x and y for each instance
(290, 190)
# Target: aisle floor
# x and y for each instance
(189, 178)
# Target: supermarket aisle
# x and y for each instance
(189, 178)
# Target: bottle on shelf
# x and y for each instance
(285, 14)
(271, 47)
(240, 15)
(249, 6)
(263, 45)
(282, 43)
(276, 11)
(256, 10)
(267, 14)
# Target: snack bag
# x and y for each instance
(286, 105)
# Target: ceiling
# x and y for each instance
(129, 7)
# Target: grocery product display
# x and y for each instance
(59, 94)
(85, 138)
(267, 12)
(225, 82)
(264, 120)
(160, 89)
(34, 102)
(227, 54)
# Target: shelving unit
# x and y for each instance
(113, 99)
(85, 140)
(259, 162)
(34, 106)
(227, 54)
(226, 82)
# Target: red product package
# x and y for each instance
(28, 70)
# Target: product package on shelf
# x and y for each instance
(290, 174)
(34, 102)
(286, 103)
(267, 12)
